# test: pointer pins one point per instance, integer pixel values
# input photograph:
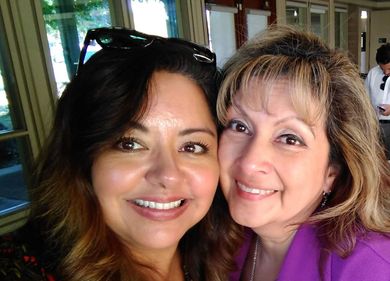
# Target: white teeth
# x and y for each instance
(255, 190)
(158, 205)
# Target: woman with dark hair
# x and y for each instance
(123, 188)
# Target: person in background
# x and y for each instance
(123, 188)
(301, 164)
(379, 92)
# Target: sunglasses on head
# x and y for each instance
(382, 86)
(122, 38)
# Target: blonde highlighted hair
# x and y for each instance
(326, 78)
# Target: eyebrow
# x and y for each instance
(242, 111)
(138, 126)
(144, 129)
(197, 130)
(298, 119)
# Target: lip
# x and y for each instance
(161, 209)
(253, 193)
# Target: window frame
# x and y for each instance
(34, 87)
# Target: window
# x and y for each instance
(296, 15)
(341, 28)
(319, 21)
(67, 22)
(232, 22)
(308, 16)
(222, 37)
(155, 17)
(15, 152)
(257, 20)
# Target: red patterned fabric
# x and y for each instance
(18, 262)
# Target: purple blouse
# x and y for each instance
(369, 261)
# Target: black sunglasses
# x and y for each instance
(122, 38)
(382, 86)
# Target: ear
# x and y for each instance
(330, 175)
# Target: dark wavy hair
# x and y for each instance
(96, 108)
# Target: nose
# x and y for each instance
(164, 171)
(256, 157)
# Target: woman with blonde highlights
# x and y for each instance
(302, 166)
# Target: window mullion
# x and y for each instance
(121, 13)
(193, 18)
(37, 92)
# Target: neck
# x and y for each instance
(272, 249)
(276, 240)
(275, 247)
(166, 262)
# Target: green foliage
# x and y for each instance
(89, 13)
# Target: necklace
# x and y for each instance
(254, 260)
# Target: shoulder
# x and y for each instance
(376, 245)
(374, 72)
(370, 260)
(375, 69)
(19, 261)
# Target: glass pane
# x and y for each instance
(13, 164)
(5, 118)
(67, 22)
(256, 23)
(156, 17)
(296, 16)
(222, 35)
(319, 22)
(10, 108)
(9, 103)
(341, 26)
(14, 152)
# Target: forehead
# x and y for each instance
(175, 98)
(173, 90)
(258, 94)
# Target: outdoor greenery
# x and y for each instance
(88, 13)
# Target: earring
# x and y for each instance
(325, 197)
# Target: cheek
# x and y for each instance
(226, 152)
(110, 177)
(304, 184)
(230, 152)
(204, 180)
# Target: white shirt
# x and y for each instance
(377, 96)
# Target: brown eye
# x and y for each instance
(238, 126)
(195, 147)
(129, 144)
(291, 139)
